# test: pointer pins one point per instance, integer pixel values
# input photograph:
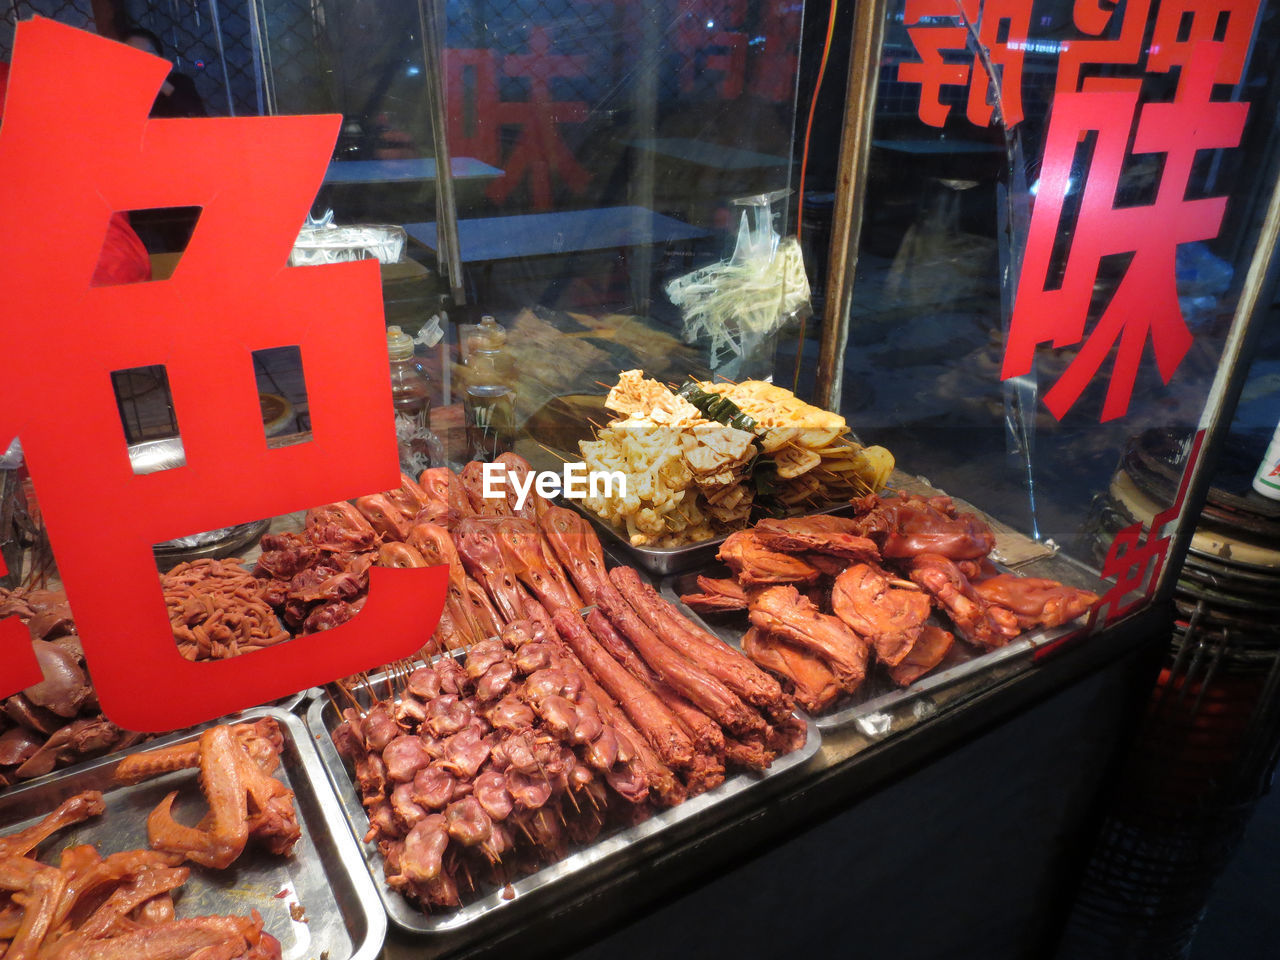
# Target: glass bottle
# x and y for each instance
(489, 403)
(411, 397)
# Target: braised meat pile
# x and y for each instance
(828, 596)
(57, 721)
(91, 907)
(319, 578)
(552, 726)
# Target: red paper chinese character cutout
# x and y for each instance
(1168, 51)
(76, 146)
(1145, 305)
(1136, 561)
(933, 72)
(1092, 17)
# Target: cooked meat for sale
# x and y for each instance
(929, 650)
(717, 596)
(978, 621)
(709, 653)
(889, 617)
(907, 526)
(708, 738)
(477, 542)
(688, 679)
(245, 801)
(520, 543)
(576, 546)
(650, 715)
(811, 681)
(1036, 601)
(117, 907)
(837, 536)
(756, 565)
(783, 611)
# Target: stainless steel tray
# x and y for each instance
(665, 561)
(322, 718)
(342, 919)
(870, 704)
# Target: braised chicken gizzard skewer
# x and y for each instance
(881, 573)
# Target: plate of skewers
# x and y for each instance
(705, 460)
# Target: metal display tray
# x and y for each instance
(665, 561)
(870, 704)
(322, 718)
(341, 918)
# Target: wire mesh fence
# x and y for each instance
(77, 13)
(211, 42)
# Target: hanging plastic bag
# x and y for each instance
(739, 304)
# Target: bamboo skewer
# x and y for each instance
(552, 452)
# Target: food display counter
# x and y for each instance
(667, 561)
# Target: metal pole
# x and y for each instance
(1220, 406)
(447, 252)
(255, 42)
(851, 193)
(262, 53)
(222, 55)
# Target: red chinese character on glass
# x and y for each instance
(1000, 27)
(539, 151)
(77, 148)
(1144, 306)
(1183, 25)
(707, 39)
(1093, 17)
(1135, 560)
(777, 52)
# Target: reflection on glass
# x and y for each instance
(597, 153)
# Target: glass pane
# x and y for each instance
(1061, 397)
(599, 151)
(616, 138)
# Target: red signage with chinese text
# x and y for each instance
(1208, 42)
(77, 147)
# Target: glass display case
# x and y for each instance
(909, 473)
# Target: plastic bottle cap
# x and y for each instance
(399, 344)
